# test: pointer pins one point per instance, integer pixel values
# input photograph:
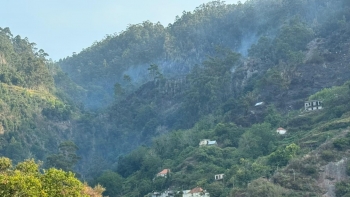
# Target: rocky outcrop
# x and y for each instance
(330, 174)
(2, 59)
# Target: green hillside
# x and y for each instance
(177, 48)
(142, 100)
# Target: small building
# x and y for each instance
(156, 194)
(219, 177)
(163, 173)
(281, 131)
(203, 142)
(259, 104)
(167, 193)
(313, 105)
(207, 142)
(195, 192)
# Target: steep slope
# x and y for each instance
(216, 99)
(312, 159)
(198, 78)
(32, 116)
(179, 46)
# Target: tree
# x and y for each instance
(282, 155)
(216, 189)
(113, 183)
(66, 158)
(26, 180)
(119, 91)
(342, 189)
(57, 183)
(273, 117)
(228, 133)
(154, 72)
(5, 164)
(263, 188)
(257, 141)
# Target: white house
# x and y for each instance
(203, 142)
(167, 193)
(207, 142)
(313, 105)
(281, 131)
(219, 177)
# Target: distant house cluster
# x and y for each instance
(207, 142)
(313, 105)
(195, 192)
(167, 193)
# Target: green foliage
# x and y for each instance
(273, 117)
(59, 183)
(205, 88)
(258, 140)
(131, 163)
(112, 181)
(287, 46)
(216, 189)
(102, 65)
(154, 72)
(342, 189)
(327, 155)
(209, 86)
(57, 110)
(26, 180)
(228, 134)
(248, 170)
(28, 167)
(342, 143)
(21, 64)
(5, 164)
(263, 188)
(329, 95)
(282, 155)
(66, 158)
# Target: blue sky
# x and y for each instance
(62, 27)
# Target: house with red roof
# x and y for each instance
(281, 131)
(195, 192)
(164, 173)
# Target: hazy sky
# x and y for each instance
(62, 27)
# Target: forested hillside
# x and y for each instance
(33, 125)
(31, 109)
(187, 42)
(211, 95)
(140, 101)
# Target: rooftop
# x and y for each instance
(196, 190)
(165, 171)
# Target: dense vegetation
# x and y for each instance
(189, 40)
(25, 179)
(30, 105)
(157, 91)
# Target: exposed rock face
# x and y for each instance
(332, 173)
(2, 59)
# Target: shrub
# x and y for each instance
(342, 143)
(262, 187)
(327, 155)
(342, 189)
